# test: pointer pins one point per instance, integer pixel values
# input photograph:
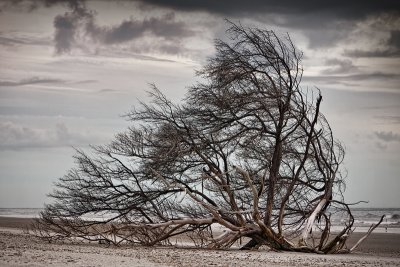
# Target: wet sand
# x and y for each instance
(11, 222)
(20, 249)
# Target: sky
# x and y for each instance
(70, 70)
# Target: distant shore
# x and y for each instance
(20, 249)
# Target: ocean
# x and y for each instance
(363, 218)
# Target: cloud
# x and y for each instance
(165, 27)
(10, 41)
(22, 40)
(31, 5)
(28, 81)
(107, 90)
(388, 136)
(355, 79)
(64, 36)
(78, 28)
(39, 80)
(340, 8)
(337, 66)
(381, 146)
(67, 25)
(373, 53)
(324, 24)
(391, 48)
(17, 136)
(389, 119)
(85, 81)
(394, 40)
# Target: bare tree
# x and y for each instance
(247, 149)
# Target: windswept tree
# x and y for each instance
(247, 149)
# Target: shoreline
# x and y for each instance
(20, 249)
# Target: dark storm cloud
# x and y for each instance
(78, 25)
(388, 136)
(340, 8)
(33, 80)
(164, 26)
(67, 25)
(325, 23)
(394, 40)
(64, 36)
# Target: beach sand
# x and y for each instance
(20, 249)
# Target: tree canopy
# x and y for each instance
(247, 149)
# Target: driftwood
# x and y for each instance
(372, 228)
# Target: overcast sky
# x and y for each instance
(70, 69)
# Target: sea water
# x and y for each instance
(20, 212)
(363, 218)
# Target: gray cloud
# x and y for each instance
(394, 40)
(373, 53)
(337, 66)
(85, 81)
(77, 26)
(391, 48)
(380, 146)
(18, 5)
(339, 8)
(388, 136)
(17, 136)
(165, 27)
(389, 119)
(324, 23)
(31, 5)
(48, 81)
(107, 90)
(33, 80)
(67, 26)
(354, 79)
(64, 36)
(9, 40)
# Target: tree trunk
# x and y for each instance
(276, 161)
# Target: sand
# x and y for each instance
(20, 249)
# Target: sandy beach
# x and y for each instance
(20, 249)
